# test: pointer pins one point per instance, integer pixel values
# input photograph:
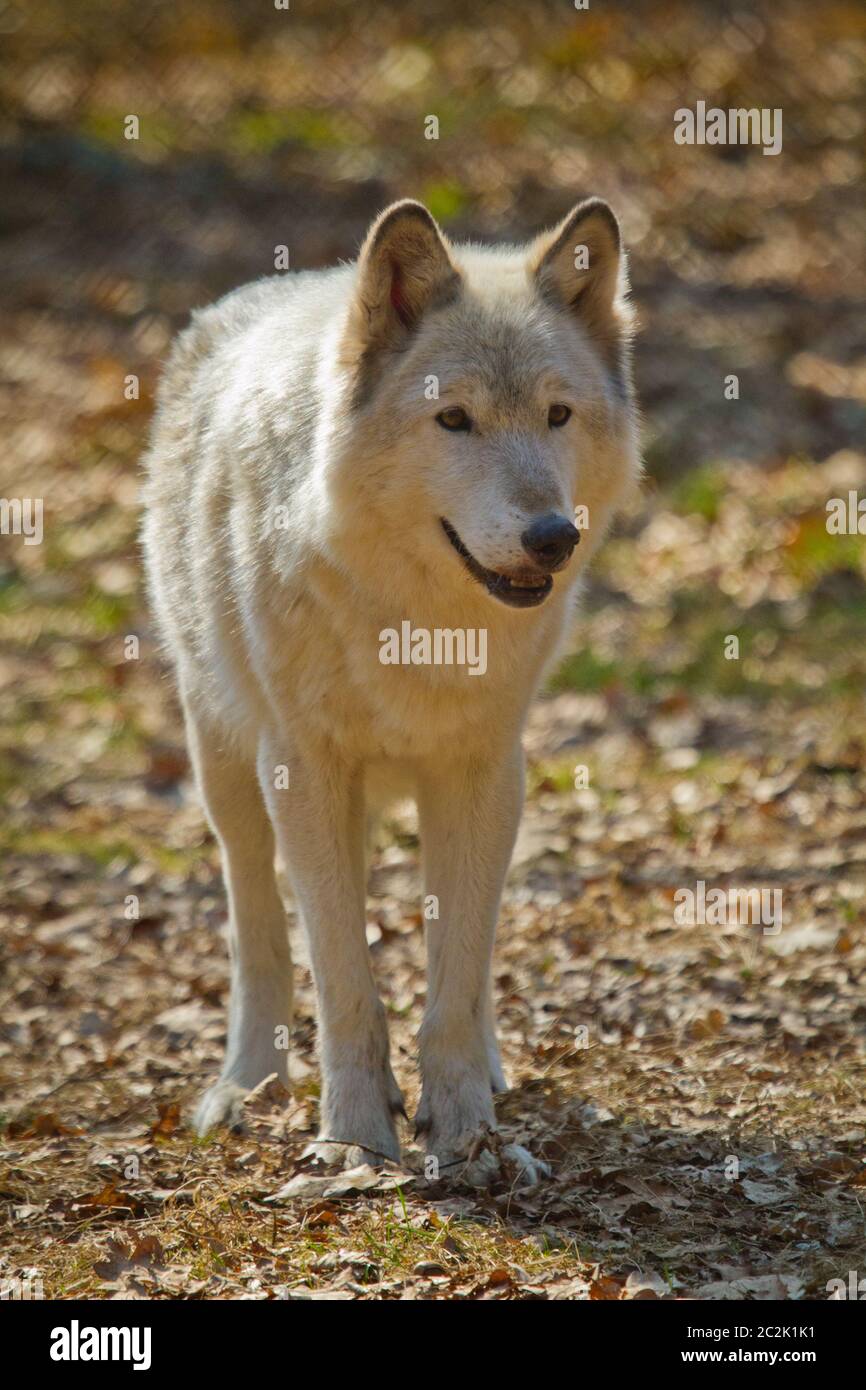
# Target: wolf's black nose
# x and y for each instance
(549, 541)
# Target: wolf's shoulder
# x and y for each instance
(292, 306)
(286, 296)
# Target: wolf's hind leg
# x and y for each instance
(260, 1006)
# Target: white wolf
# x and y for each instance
(337, 453)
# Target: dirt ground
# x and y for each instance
(698, 1090)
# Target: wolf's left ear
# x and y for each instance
(404, 269)
(580, 265)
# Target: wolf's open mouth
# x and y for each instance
(527, 591)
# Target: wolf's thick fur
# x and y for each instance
(297, 482)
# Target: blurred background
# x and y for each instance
(259, 127)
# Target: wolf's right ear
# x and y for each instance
(404, 269)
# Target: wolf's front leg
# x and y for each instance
(316, 804)
(469, 811)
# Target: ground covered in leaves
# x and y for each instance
(698, 1090)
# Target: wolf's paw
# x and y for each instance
(456, 1105)
(346, 1156)
(484, 1158)
(511, 1163)
(458, 1126)
(221, 1107)
(357, 1124)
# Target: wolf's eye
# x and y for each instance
(558, 415)
(454, 418)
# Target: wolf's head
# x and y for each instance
(489, 401)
